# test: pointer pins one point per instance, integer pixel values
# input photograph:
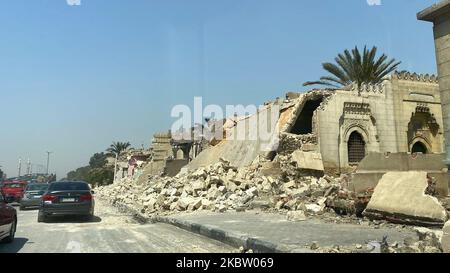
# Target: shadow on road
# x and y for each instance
(13, 247)
(72, 219)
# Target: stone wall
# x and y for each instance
(382, 115)
(412, 91)
(439, 14)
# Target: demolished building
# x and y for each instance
(320, 137)
(169, 153)
(401, 114)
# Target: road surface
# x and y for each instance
(109, 232)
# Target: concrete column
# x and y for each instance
(439, 15)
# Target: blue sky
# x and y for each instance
(75, 78)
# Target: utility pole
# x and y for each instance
(48, 160)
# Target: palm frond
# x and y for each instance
(356, 67)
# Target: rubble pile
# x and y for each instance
(291, 142)
(426, 241)
(395, 193)
(221, 187)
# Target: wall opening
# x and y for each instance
(304, 123)
(356, 148)
(419, 147)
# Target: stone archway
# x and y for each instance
(356, 148)
(419, 147)
(423, 130)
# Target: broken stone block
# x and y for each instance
(253, 191)
(214, 179)
(198, 185)
(199, 173)
(291, 204)
(183, 203)
(279, 204)
(445, 241)
(244, 199)
(289, 185)
(160, 200)
(173, 199)
(266, 186)
(213, 193)
(296, 216)
(314, 208)
(222, 189)
(314, 246)
(308, 160)
(150, 204)
(222, 208)
(260, 204)
(173, 206)
(173, 192)
(184, 194)
(400, 197)
(231, 186)
(206, 204)
(196, 204)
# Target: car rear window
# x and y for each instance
(37, 187)
(65, 186)
(13, 185)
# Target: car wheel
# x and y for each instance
(12, 232)
(41, 217)
(88, 218)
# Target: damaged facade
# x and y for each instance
(129, 164)
(402, 114)
(168, 154)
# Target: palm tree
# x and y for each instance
(118, 147)
(353, 68)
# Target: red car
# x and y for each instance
(13, 190)
(8, 221)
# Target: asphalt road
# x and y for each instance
(109, 232)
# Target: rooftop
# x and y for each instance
(435, 11)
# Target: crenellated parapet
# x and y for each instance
(378, 88)
(408, 76)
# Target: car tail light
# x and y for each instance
(49, 198)
(85, 197)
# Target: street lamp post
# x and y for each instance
(20, 167)
(48, 160)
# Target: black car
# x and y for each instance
(67, 198)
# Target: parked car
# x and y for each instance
(8, 221)
(67, 198)
(32, 196)
(14, 190)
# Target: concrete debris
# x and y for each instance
(427, 244)
(308, 160)
(285, 188)
(445, 241)
(397, 191)
(221, 187)
(296, 216)
(290, 143)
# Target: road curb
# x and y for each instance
(230, 238)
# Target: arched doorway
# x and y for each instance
(356, 148)
(419, 147)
